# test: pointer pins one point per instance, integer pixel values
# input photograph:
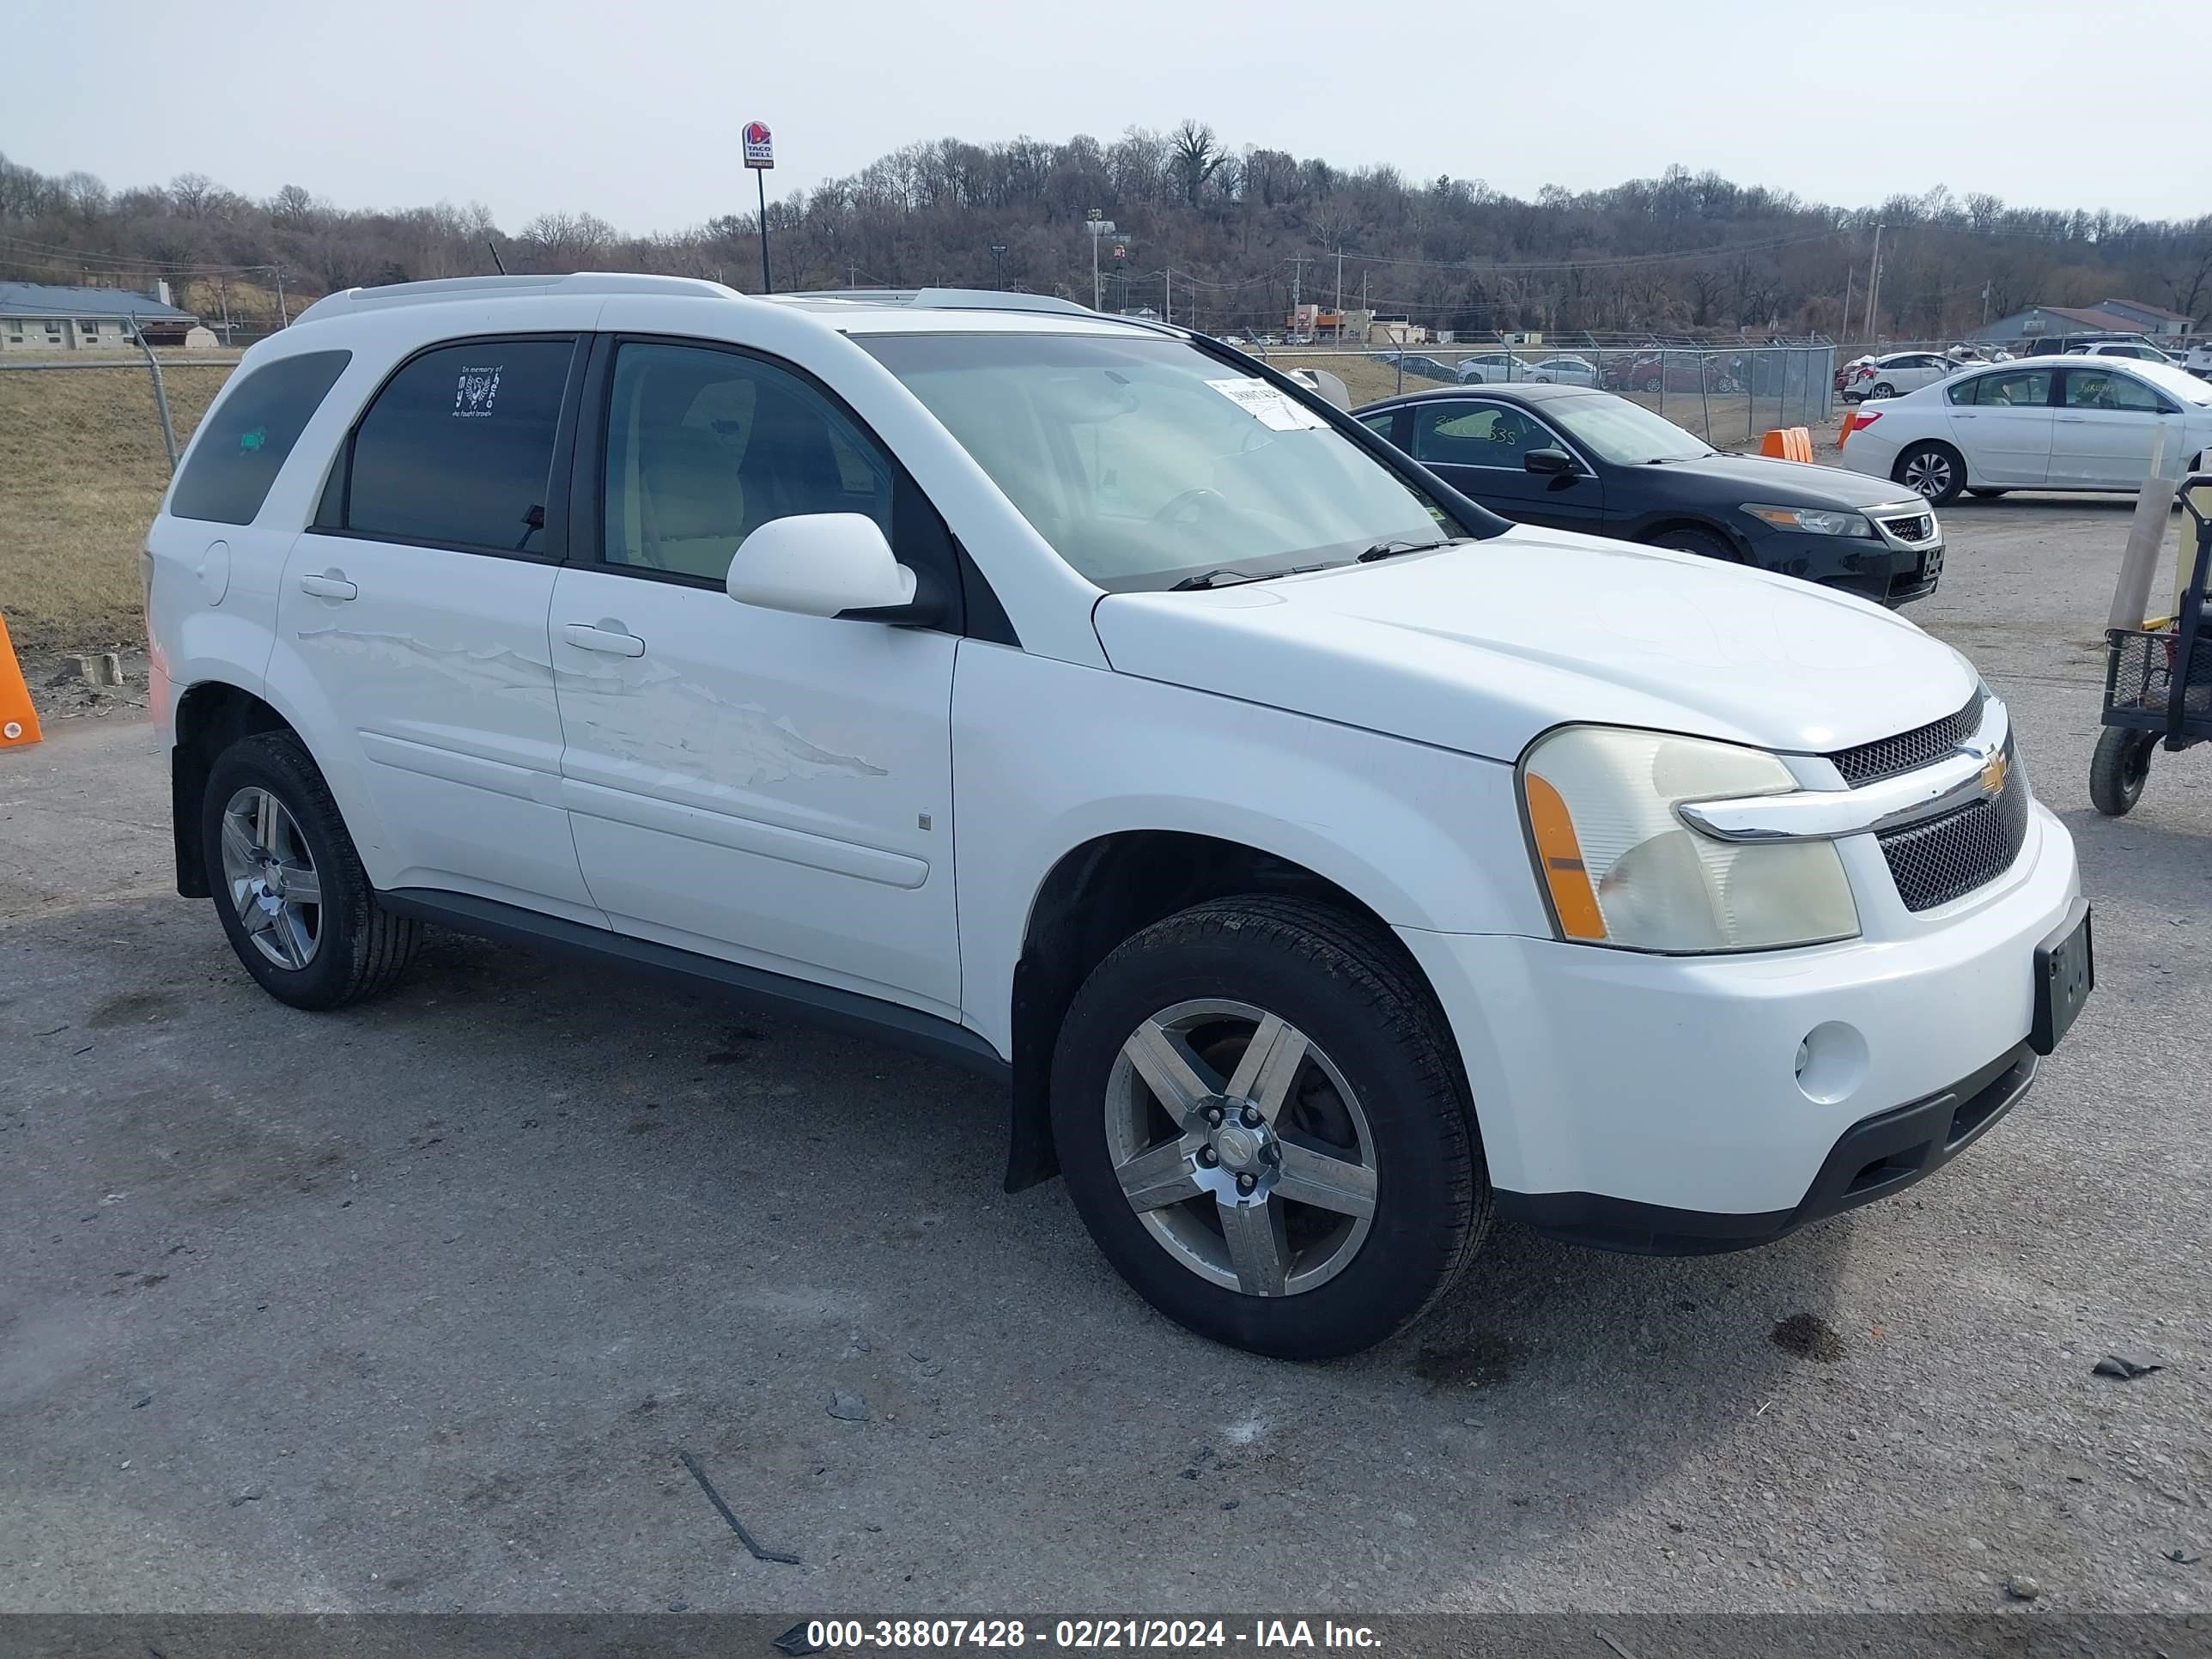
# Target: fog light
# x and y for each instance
(1831, 1062)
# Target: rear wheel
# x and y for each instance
(1882, 389)
(1935, 472)
(2119, 769)
(1263, 1124)
(288, 887)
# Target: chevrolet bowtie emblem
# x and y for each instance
(1993, 774)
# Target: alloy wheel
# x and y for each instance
(1928, 471)
(1240, 1147)
(271, 878)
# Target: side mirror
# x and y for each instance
(1553, 461)
(821, 564)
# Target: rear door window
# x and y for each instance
(457, 451)
(248, 437)
(2027, 388)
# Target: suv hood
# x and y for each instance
(1481, 647)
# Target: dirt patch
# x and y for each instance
(1479, 1362)
(1809, 1337)
(131, 1008)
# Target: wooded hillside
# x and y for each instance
(1228, 235)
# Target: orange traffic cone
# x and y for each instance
(19, 721)
(1850, 420)
(1775, 443)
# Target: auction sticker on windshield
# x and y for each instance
(1268, 406)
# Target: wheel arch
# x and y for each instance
(1098, 894)
(209, 716)
(1966, 479)
(1666, 520)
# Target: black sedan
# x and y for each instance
(1583, 459)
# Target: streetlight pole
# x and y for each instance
(999, 254)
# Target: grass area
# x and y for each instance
(81, 470)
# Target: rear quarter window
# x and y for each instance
(245, 441)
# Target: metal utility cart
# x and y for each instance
(2157, 678)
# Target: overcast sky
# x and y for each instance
(631, 110)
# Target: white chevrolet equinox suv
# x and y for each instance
(1323, 865)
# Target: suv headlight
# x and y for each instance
(1820, 520)
(1620, 868)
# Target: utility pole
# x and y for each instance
(1850, 276)
(283, 312)
(1340, 294)
(999, 254)
(1873, 294)
(1098, 225)
(852, 276)
(1167, 277)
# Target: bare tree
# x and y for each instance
(1195, 156)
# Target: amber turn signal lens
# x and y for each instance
(1573, 900)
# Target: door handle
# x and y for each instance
(330, 585)
(2073, 420)
(606, 636)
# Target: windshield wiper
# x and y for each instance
(1221, 578)
(1227, 577)
(1398, 544)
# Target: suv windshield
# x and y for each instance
(1625, 434)
(1144, 461)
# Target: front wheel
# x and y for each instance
(1689, 539)
(1264, 1124)
(1653, 383)
(2119, 769)
(1933, 472)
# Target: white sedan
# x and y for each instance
(1569, 370)
(2042, 423)
(1898, 373)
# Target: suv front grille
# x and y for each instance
(1950, 857)
(1886, 756)
(1917, 528)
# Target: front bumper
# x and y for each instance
(1875, 1159)
(1672, 1083)
(1884, 570)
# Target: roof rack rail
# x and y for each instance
(351, 300)
(951, 298)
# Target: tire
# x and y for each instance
(1653, 383)
(1882, 389)
(266, 804)
(1987, 495)
(1375, 1082)
(2119, 769)
(1690, 539)
(1935, 472)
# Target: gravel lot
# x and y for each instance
(413, 1308)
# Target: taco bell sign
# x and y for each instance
(760, 148)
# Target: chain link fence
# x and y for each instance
(1728, 395)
